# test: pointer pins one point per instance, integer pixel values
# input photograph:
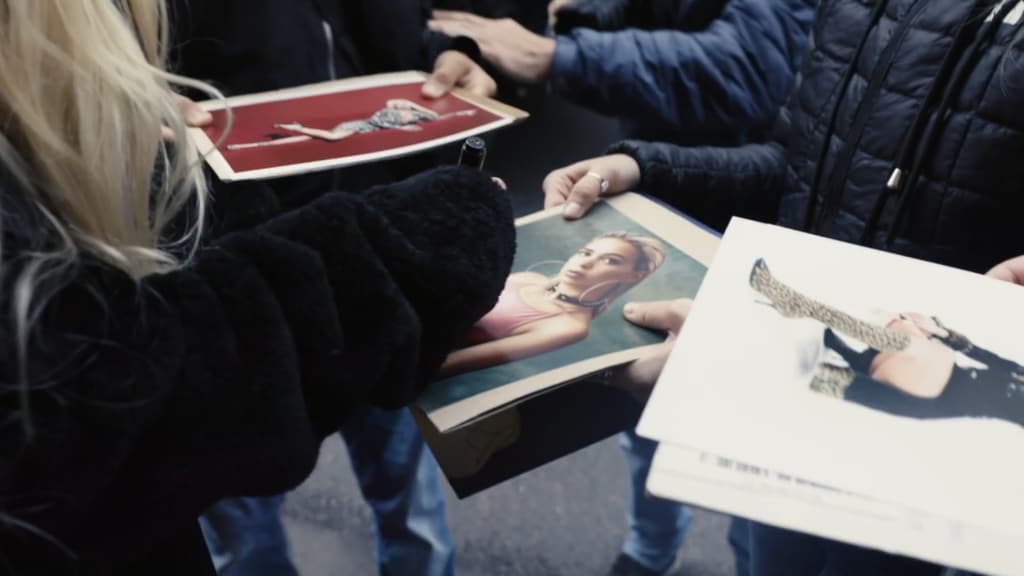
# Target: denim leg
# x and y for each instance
(399, 480)
(245, 537)
(779, 552)
(739, 541)
(657, 527)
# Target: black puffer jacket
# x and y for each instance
(905, 132)
(152, 401)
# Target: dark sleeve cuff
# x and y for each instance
(436, 43)
(564, 65)
(467, 46)
(593, 15)
(712, 184)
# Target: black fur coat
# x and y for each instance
(152, 400)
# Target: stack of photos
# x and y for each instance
(851, 393)
(560, 318)
(560, 315)
(338, 124)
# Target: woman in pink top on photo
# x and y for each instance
(537, 314)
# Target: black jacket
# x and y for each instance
(609, 15)
(693, 80)
(244, 46)
(904, 133)
(152, 401)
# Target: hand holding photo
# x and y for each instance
(340, 123)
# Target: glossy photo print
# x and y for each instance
(337, 124)
(560, 314)
(894, 379)
(902, 362)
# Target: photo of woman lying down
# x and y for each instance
(397, 114)
(910, 364)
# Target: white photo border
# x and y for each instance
(222, 168)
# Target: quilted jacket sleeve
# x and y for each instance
(619, 14)
(712, 184)
(716, 85)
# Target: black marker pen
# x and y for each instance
(473, 153)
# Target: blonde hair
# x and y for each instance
(650, 255)
(83, 96)
(650, 252)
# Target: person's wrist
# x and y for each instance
(626, 173)
(543, 56)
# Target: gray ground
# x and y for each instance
(563, 519)
(566, 518)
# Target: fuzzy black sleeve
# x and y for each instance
(153, 401)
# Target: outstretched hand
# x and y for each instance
(453, 69)
(1011, 270)
(640, 375)
(504, 43)
(578, 186)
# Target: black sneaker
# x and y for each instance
(626, 566)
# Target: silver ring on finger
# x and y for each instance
(601, 179)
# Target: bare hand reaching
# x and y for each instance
(514, 50)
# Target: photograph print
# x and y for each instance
(339, 123)
(560, 314)
(907, 362)
(876, 374)
(782, 500)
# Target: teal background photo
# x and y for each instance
(550, 242)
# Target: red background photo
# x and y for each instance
(254, 122)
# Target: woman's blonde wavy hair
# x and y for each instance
(83, 96)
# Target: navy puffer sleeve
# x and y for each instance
(712, 184)
(152, 400)
(719, 85)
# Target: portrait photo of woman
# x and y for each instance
(560, 316)
(903, 363)
(536, 313)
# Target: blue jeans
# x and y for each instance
(763, 550)
(657, 527)
(399, 480)
(245, 537)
